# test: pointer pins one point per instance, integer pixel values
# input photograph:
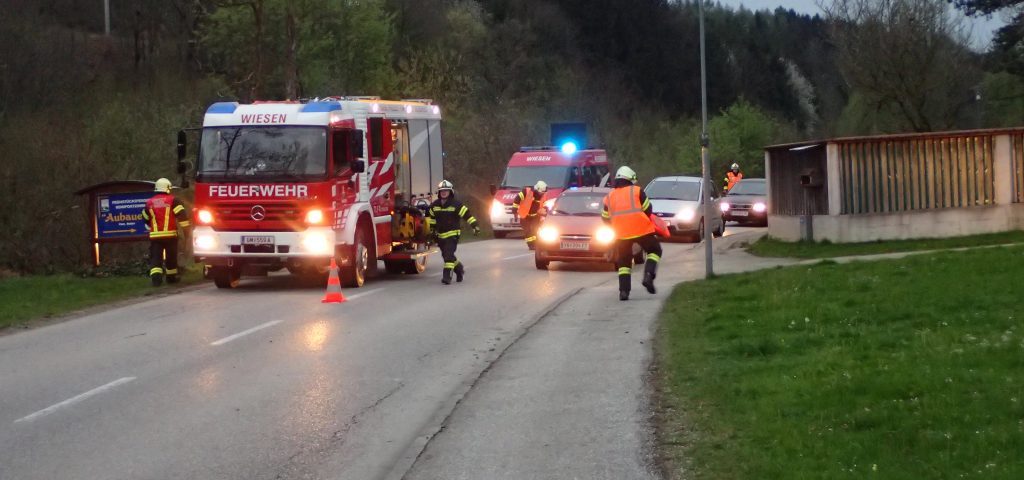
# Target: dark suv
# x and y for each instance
(747, 202)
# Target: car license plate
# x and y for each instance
(257, 240)
(740, 213)
(571, 245)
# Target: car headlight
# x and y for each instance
(549, 204)
(548, 234)
(316, 243)
(686, 214)
(605, 235)
(205, 242)
(314, 217)
(760, 207)
(725, 206)
(497, 208)
(204, 217)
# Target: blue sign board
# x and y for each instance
(119, 215)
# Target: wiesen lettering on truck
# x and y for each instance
(259, 191)
(265, 118)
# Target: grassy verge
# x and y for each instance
(768, 247)
(909, 368)
(25, 299)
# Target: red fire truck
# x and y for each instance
(291, 184)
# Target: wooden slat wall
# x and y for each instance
(787, 196)
(1018, 168)
(886, 175)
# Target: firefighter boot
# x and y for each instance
(459, 272)
(650, 271)
(446, 276)
(624, 285)
(172, 279)
(156, 278)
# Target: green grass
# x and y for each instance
(30, 298)
(905, 369)
(769, 247)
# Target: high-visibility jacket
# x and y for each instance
(445, 217)
(528, 203)
(731, 179)
(163, 215)
(628, 210)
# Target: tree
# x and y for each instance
(908, 56)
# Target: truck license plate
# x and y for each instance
(740, 213)
(257, 240)
(569, 245)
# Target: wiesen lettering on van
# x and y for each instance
(243, 191)
(538, 158)
(265, 118)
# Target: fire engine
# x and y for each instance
(292, 184)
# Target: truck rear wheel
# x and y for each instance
(226, 277)
(499, 234)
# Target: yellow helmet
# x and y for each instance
(163, 185)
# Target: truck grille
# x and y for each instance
(275, 212)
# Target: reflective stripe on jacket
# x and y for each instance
(163, 215)
(627, 209)
(445, 218)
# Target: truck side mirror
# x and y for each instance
(358, 166)
(182, 148)
(494, 190)
(355, 144)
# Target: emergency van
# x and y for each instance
(293, 184)
(559, 168)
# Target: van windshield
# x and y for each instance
(519, 177)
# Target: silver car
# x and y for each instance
(677, 200)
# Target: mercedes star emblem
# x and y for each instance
(258, 213)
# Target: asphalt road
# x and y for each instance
(265, 382)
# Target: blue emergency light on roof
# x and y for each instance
(569, 148)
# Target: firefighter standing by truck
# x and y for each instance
(732, 177)
(627, 209)
(528, 205)
(444, 218)
(164, 214)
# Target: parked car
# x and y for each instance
(573, 230)
(747, 202)
(677, 200)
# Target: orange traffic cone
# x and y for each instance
(333, 294)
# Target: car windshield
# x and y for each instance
(580, 205)
(519, 177)
(673, 190)
(263, 153)
(748, 187)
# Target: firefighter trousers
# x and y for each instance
(163, 259)
(624, 258)
(530, 224)
(451, 263)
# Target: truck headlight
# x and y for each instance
(605, 235)
(315, 217)
(205, 242)
(497, 208)
(760, 207)
(316, 243)
(548, 234)
(204, 216)
(686, 214)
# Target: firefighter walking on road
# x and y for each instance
(732, 177)
(164, 214)
(445, 218)
(627, 209)
(528, 205)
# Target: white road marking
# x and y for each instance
(518, 256)
(74, 400)
(363, 294)
(242, 334)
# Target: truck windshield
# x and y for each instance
(519, 177)
(263, 153)
(673, 190)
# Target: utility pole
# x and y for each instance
(106, 17)
(705, 143)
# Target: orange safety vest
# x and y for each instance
(732, 179)
(527, 203)
(627, 215)
(161, 216)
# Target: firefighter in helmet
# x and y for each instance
(444, 218)
(732, 177)
(164, 215)
(627, 209)
(528, 205)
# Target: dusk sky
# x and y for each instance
(982, 28)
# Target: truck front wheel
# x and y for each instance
(226, 277)
(354, 276)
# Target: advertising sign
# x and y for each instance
(119, 215)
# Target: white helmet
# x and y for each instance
(163, 185)
(735, 166)
(626, 173)
(445, 185)
(540, 186)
